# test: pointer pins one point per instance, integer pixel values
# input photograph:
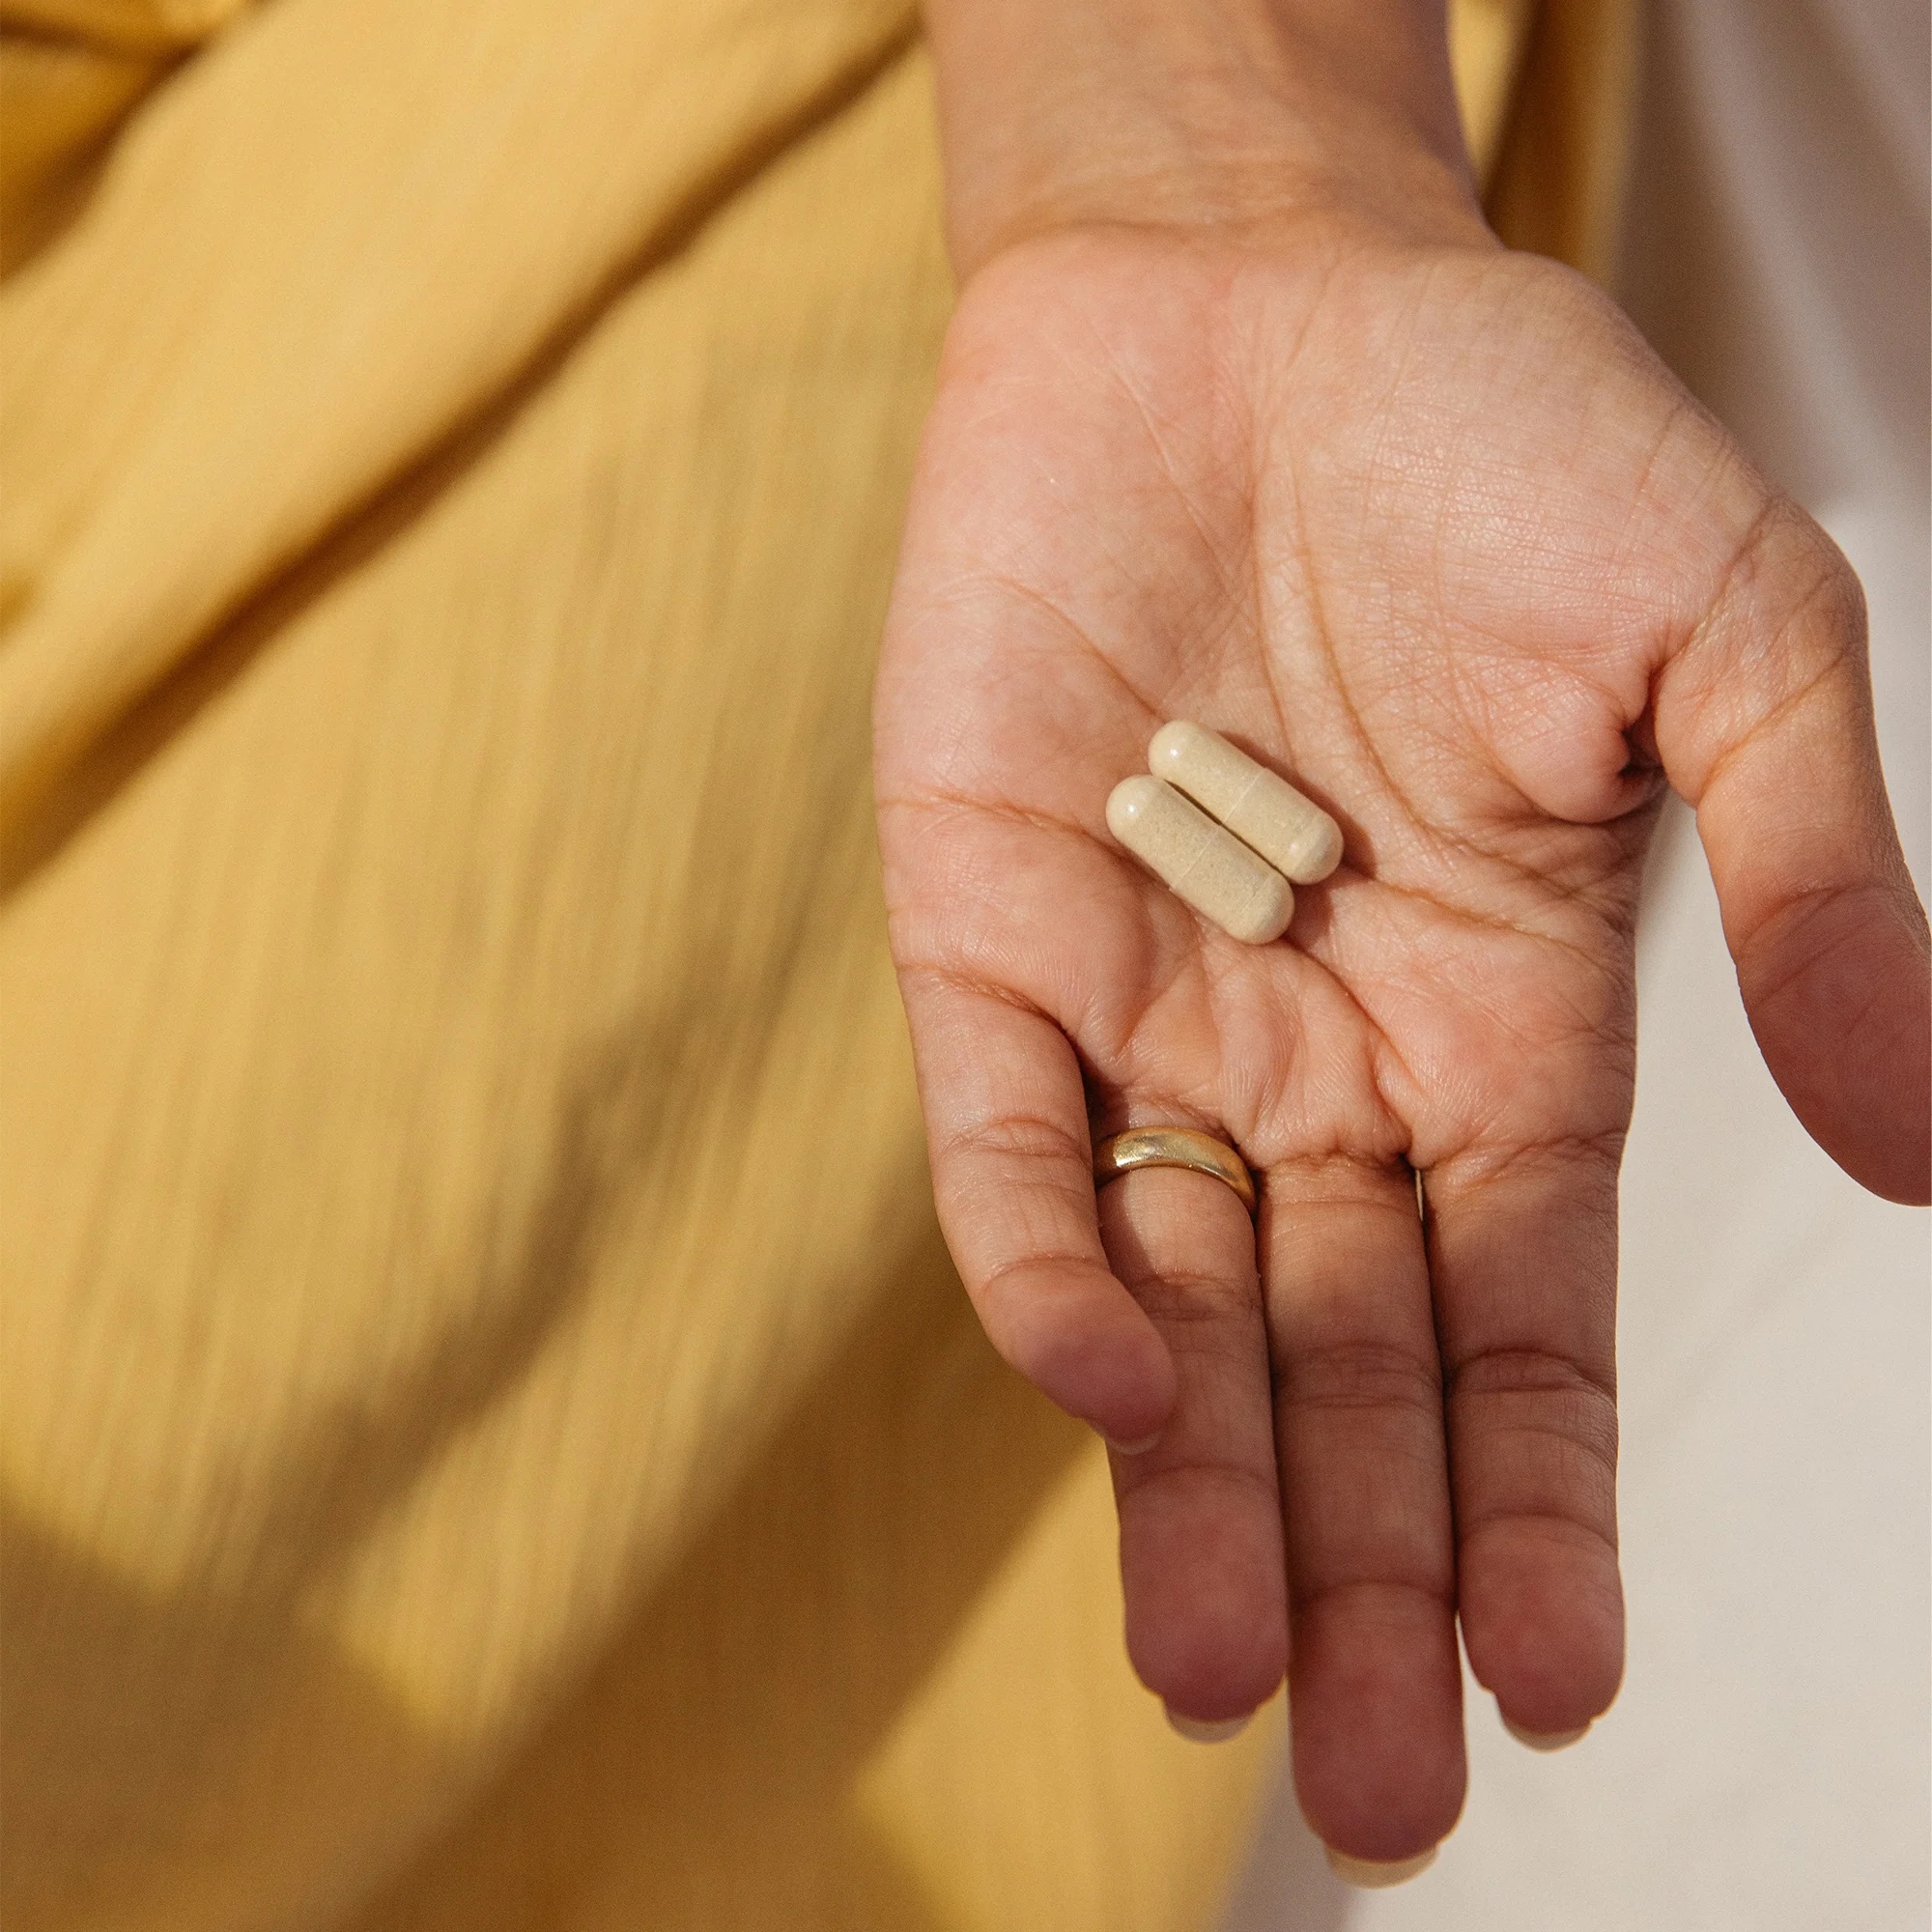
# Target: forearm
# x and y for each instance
(1062, 111)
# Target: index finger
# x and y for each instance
(1013, 1176)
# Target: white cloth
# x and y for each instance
(1766, 1768)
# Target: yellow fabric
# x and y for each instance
(59, 101)
(1557, 179)
(1487, 41)
(490, 1434)
(147, 24)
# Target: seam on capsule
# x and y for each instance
(1260, 772)
(1204, 845)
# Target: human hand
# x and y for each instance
(1423, 525)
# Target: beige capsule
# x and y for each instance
(1198, 862)
(1292, 833)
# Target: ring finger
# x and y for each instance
(1201, 1546)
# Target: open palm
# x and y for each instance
(1428, 531)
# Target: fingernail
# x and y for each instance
(1371, 1874)
(1208, 1732)
(1139, 1448)
(1543, 1741)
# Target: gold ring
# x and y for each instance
(1173, 1147)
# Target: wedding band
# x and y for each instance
(1173, 1147)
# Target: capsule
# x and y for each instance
(1198, 862)
(1292, 833)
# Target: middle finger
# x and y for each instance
(1375, 1684)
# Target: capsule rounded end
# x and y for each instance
(1171, 749)
(1268, 915)
(1129, 802)
(1323, 853)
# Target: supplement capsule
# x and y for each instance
(1292, 833)
(1198, 862)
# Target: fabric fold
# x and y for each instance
(140, 26)
(193, 398)
(60, 100)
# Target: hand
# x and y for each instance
(1423, 525)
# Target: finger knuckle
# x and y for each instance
(1359, 1374)
(1022, 1136)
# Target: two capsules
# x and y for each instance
(1222, 832)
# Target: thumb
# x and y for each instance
(1764, 722)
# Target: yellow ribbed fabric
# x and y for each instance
(146, 24)
(1560, 162)
(59, 102)
(1486, 43)
(490, 1438)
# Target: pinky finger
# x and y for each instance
(1013, 1176)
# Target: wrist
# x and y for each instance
(1243, 114)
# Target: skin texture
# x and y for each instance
(1423, 525)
